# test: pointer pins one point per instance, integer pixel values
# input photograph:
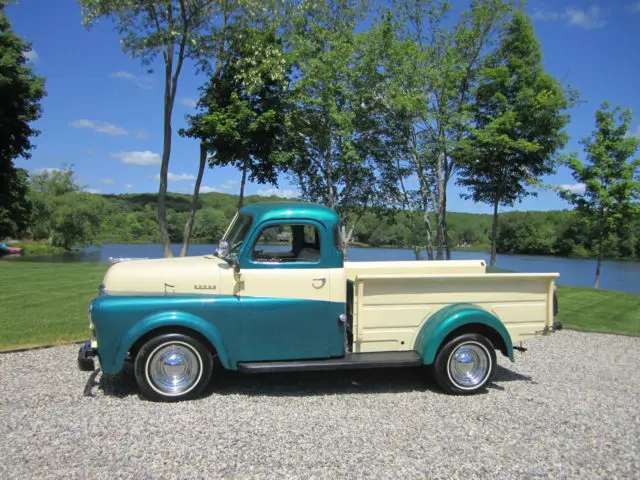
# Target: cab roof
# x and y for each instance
(263, 211)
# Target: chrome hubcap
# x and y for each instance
(174, 368)
(469, 365)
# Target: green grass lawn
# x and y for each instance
(599, 310)
(46, 304)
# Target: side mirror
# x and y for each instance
(236, 265)
(223, 249)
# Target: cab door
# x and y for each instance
(284, 288)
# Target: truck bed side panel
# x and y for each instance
(390, 310)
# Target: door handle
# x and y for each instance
(317, 280)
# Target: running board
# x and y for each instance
(349, 361)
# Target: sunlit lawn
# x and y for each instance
(599, 310)
(46, 303)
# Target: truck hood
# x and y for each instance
(185, 275)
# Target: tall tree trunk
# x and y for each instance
(164, 167)
(245, 167)
(170, 89)
(494, 233)
(407, 208)
(438, 209)
(425, 193)
(445, 226)
(600, 252)
(439, 234)
(414, 236)
(328, 178)
(344, 238)
(188, 226)
(597, 282)
(196, 191)
(429, 239)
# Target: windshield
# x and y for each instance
(237, 231)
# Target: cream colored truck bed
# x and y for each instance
(393, 301)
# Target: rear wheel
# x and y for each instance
(173, 367)
(465, 364)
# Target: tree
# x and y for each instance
(242, 111)
(339, 153)
(61, 213)
(403, 101)
(519, 115)
(21, 92)
(250, 94)
(238, 18)
(210, 225)
(611, 178)
(176, 29)
(14, 207)
(433, 67)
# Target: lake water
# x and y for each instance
(616, 275)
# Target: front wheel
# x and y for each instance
(465, 364)
(173, 367)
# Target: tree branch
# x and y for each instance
(183, 43)
(154, 16)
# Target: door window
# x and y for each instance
(287, 243)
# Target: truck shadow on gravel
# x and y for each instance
(301, 384)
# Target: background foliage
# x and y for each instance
(62, 215)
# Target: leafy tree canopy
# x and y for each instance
(242, 118)
(21, 92)
(520, 115)
(611, 178)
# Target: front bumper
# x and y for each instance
(86, 356)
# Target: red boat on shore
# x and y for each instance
(6, 250)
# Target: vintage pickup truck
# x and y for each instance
(278, 295)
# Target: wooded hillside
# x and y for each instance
(132, 218)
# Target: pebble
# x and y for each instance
(567, 408)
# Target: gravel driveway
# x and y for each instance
(568, 408)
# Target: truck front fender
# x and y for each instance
(461, 316)
(161, 320)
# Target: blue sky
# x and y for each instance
(103, 111)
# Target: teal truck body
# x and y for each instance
(278, 295)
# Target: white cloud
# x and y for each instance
(578, 188)
(545, 16)
(128, 185)
(47, 170)
(229, 184)
(187, 102)
(204, 189)
(107, 181)
(91, 152)
(93, 190)
(588, 19)
(101, 127)
(31, 56)
(635, 8)
(142, 134)
(175, 177)
(137, 158)
(141, 82)
(286, 193)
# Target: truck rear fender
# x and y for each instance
(170, 321)
(455, 320)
